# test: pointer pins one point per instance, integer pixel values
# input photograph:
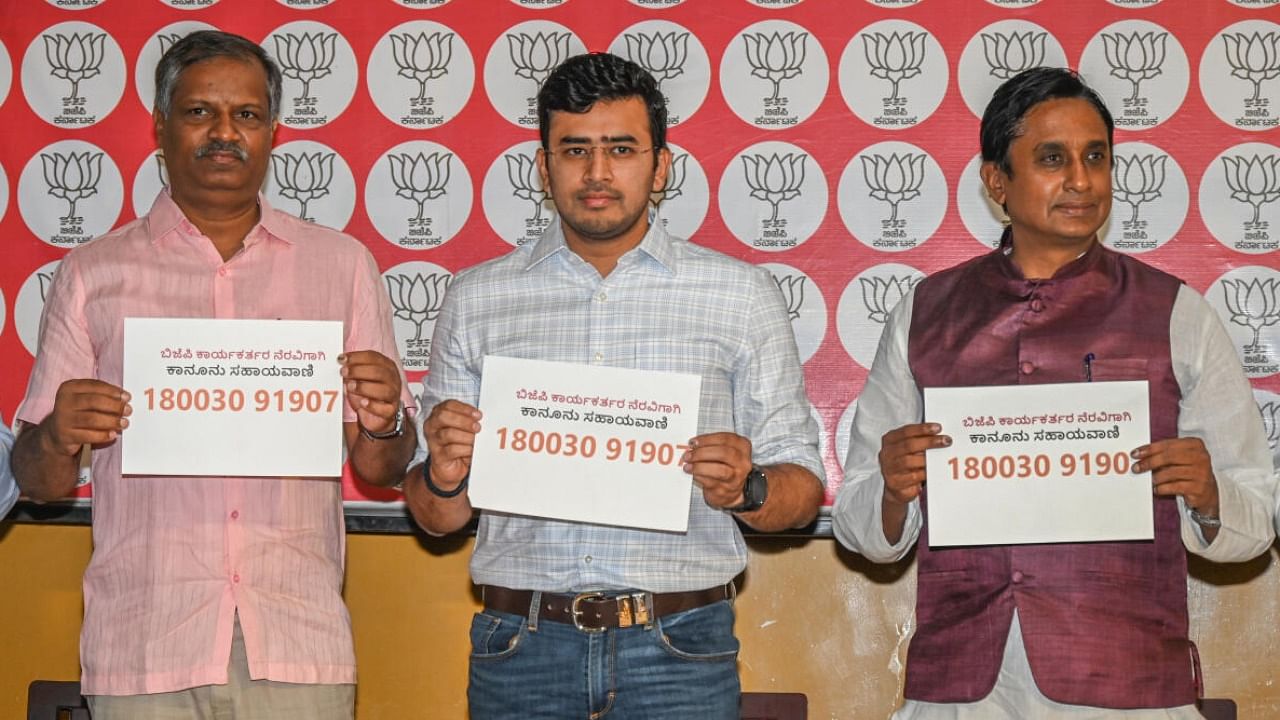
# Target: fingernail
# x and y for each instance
(125, 396)
(693, 442)
(935, 427)
(688, 467)
(342, 358)
(946, 441)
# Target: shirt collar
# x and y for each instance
(657, 244)
(166, 218)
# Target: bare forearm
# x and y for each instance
(437, 515)
(42, 472)
(795, 494)
(381, 462)
(893, 516)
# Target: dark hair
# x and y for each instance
(1002, 120)
(583, 80)
(205, 45)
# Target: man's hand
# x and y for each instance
(372, 382)
(85, 412)
(1181, 466)
(451, 436)
(902, 461)
(719, 463)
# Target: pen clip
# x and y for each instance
(1088, 367)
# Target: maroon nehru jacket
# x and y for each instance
(1104, 624)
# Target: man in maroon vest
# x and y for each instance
(1069, 629)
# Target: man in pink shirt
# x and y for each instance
(211, 596)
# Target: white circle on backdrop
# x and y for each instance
(69, 193)
(1150, 197)
(1013, 3)
(1140, 70)
(539, 4)
(892, 196)
(29, 304)
(304, 4)
(517, 63)
(1247, 298)
(420, 74)
(982, 217)
(1269, 408)
(775, 4)
(656, 4)
(999, 51)
(6, 73)
(514, 201)
(312, 181)
(320, 72)
(676, 59)
(773, 196)
(865, 304)
(893, 74)
(73, 75)
(844, 430)
(150, 178)
(4, 312)
(418, 195)
(1254, 4)
(805, 306)
(1238, 75)
(1132, 4)
(1238, 198)
(416, 290)
(4, 192)
(774, 74)
(75, 4)
(683, 202)
(421, 4)
(144, 68)
(190, 4)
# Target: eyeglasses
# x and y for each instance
(618, 154)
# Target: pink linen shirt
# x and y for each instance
(175, 558)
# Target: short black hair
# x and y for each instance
(583, 80)
(1002, 120)
(204, 45)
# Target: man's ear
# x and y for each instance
(157, 124)
(662, 169)
(540, 159)
(993, 178)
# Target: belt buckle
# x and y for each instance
(576, 612)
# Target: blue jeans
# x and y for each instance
(684, 666)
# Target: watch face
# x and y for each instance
(756, 489)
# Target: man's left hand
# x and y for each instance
(372, 383)
(1181, 466)
(719, 463)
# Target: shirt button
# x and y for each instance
(235, 514)
(1017, 576)
(1026, 368)
(602, 296)
(1037, 305)
(222, 271)
(599, 357)
(235, 578)
(587, 559)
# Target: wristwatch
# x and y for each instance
(754, 492)
(394, 432)
(1204, 521)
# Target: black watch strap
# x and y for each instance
(435, 490)
(754, 492)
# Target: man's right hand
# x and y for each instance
(451, 435)
(88, 412)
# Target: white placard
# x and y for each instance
(1038, 464)
(585, 443)
(254, 398)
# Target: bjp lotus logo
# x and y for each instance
(522, 173)
(1271, 422)
(1254, 58)
(167, 40)
(776, 57)
(894, 57)
(880, 294)
(792, 287)
(303, 177)
(72, 177)
(1254, 304)
(1138, 179)
(417, 298)
(46, 282)
(536, 55)
(1135, 57)
(75, 58)
(662, 54)
(674, 187)
(894, 179)
(306, 57)
(775, 178)
(1253, 180)
(422, 57)
(420, 177)
(1008, 55)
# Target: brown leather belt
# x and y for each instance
(599, 611)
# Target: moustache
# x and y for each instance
(220, 146)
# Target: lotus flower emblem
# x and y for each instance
(536, 55)
(894, 179)
(1254, 304)
(1271, 423)
(522, 173)
(792, 287)
(775, 178)
(776, 57)
(674, 187)
(662, 54)
(72, 177)
(1253, 180)
(1008, 55)
(1135, 57)
(417, 298)
(303, 177)
(421, 177)
(1254, 58)
(46, 281)
(1138, 179)
(422, 57)
(167, 40)
(306, 57)
(894, 57)
(880, 294)
(76, 57)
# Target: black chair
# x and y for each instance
(56, 700)
(774, 706)
(1217, 708)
